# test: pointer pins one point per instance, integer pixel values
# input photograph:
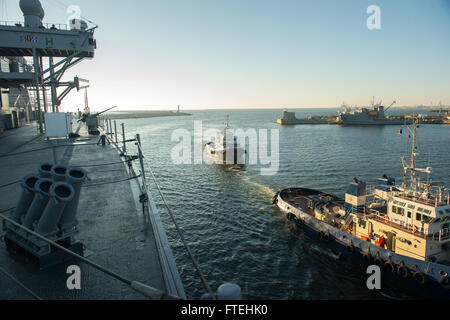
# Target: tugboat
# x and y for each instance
(226, 150)
(405, 230)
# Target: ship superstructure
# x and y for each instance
(226, 149)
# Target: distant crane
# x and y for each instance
(390, 106)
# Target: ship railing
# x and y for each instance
(51, 26)
(442, 235)
(437, 196)
(109, 128)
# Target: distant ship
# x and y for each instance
(404, 229)
(368, 116)
(226, 150)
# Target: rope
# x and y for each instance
(194, 261)
(20, 284)
(111, 182)
(103, 164)
(46, 148)
(10, 184)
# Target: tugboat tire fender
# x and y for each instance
(419, 277)
(402, 271)
(275, 198)
(379, 262)
(367, 258)
(321, 234)
(389, 266)
(327, 237)
(350, 249)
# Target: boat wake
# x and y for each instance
(260, 188)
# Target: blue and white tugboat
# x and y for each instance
(403, 229)
(226, 150)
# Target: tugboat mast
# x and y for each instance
(412, 165)
(413, 155)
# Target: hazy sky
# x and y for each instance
(259, 53)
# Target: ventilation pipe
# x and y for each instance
(40, 200)
(33, 13)
(59, 172)
(60, 194)
(28, 192)
(45, 170)
(75, 177)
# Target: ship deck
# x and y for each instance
(300, 199)
(111, 225)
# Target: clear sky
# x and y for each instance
(156, 54)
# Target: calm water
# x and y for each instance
(235, 232)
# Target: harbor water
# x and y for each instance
(226, 212)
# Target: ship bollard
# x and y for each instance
(42, 189)
(45, 170)
(75, 177)
(60, 194)
(229, 291)
(28, 192)
(59, 172)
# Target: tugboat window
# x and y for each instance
(418, 217)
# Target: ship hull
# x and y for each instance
(369, 122)
(366, 255)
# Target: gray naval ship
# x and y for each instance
(78, 220)
(374, 115)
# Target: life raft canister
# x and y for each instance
(381, 242)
